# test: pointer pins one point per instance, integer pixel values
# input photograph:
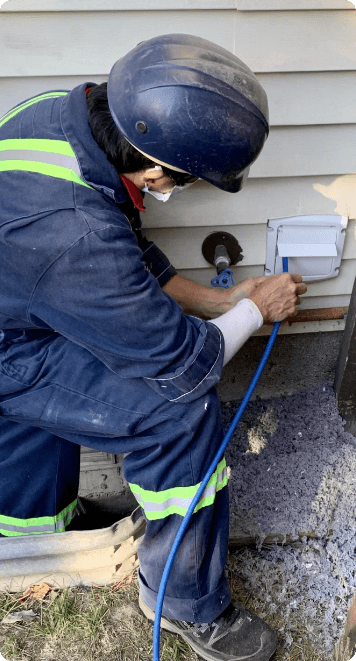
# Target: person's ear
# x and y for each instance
(152, 174)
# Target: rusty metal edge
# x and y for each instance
(317, 314)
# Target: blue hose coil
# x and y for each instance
(183, 526)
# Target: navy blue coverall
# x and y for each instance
(93, 352)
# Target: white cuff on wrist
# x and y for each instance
(238, 325)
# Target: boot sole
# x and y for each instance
(263, 655)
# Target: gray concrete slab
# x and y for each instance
(296, 362)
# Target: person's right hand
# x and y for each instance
(278, 295)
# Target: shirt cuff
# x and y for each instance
(157, 262)
(201, 372)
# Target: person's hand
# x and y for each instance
(278, 295)
(243, 290)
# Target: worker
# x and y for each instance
(102, 343)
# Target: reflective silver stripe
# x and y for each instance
(49, 158)
(45, 528)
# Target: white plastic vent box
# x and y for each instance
(313, 245)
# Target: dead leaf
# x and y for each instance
(38, 592)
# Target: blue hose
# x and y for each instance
(211, 469)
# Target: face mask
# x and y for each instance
(164, 197)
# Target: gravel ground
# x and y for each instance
(293, 472)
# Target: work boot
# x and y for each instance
(236, 635)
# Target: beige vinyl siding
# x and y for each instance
(308, 98)
(260, 199)
(295, 99)
(183, 242)
(304, 53)
(337, 287)
(15, 90)
(41, 44)
(50, 43)
(312, 150)
(147, 5)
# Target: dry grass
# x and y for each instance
(97, 624)
(85, 624)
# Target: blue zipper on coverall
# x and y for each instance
(205, 480)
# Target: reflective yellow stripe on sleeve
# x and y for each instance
(53, 158)
(14, 111)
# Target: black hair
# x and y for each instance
(118, 150)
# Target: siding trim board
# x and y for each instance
(304, 327)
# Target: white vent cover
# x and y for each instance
(313, 245)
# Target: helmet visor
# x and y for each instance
(231, 183)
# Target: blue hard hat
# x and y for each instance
(192, 106)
